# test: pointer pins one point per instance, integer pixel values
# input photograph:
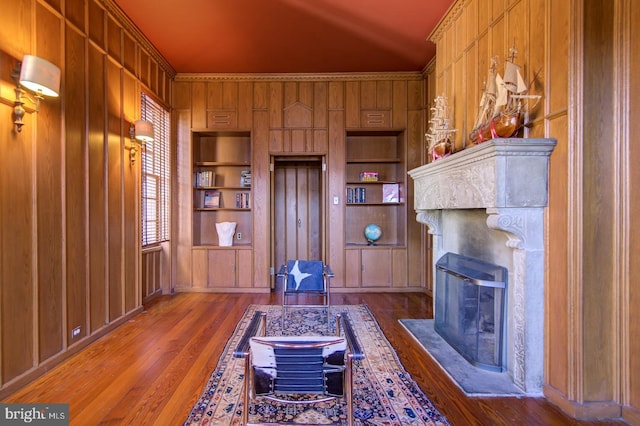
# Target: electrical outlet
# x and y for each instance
(239, 236)
(76, 331)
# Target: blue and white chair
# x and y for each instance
(303, 278)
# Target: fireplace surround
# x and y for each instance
(488, 202)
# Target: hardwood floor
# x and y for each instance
(152, 369)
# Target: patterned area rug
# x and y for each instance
(384, 393)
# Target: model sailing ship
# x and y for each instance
(440, 134)
(503, 103)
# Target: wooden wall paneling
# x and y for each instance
(129, 49)
(198, 105)
(470, 16)
(368, 94)
(276, 140)
(131, 198)
(153, 75)
(631, 175)
(458, 98)
(498, 44)
(397, 103)
(320, 140)
(460, 29)
(385, 93)
(400, 274)
(17, 265)
(143, 67)
(557, 90)
(352, 104)
(336, 96)
(230, 94)
(96, 27)
(74, 11)
(181, 234)
(473, 93)
(261, 208)
(335, 188)
(320, 108)
(55, 4)
(75, 172)
(166, 91)
(415, 158)
(97, 188)
(200, 267)
(244, 268)
(114, 39)
(276, 105)
(599, 199)
(215, 98)
(306, 93)
(497, 9)
(290, 93)
(353, 269)
(557, 294)
(245, 104)
(181, 95)
(48, 202)
(535, 67)
(115, 149)
(260, 95)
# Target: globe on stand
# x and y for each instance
(372, 233)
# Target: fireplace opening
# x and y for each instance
(470, 309)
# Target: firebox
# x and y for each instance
(470, 309)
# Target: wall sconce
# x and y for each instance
(39, 76)
(141, 132)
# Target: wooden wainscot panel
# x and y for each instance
(298, 115)
(400, 273)
(129, 53)
(199, 267)
(222, 268)
(375, 118)
(245, 268)
(222, 119)
(96, 23)
(114, 40)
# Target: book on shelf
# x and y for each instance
(211, 199)
(245, 178)
(205, 178)
(243, 200)
(390, 193)
(356, 195)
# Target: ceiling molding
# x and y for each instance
(139, 37)
(450, 15)
(404, 75)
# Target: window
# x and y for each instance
(155, 175)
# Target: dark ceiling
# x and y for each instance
(289, 36)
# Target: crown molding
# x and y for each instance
(405, 75)
(129, 26)
(451, 15)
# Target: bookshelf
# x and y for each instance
(221, 185)
(375, 186)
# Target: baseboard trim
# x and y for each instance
(583, 411)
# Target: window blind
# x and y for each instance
(155, 175)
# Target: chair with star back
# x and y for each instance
(302, 278)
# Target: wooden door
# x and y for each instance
(298, 225)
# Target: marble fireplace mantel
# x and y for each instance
(508, 178)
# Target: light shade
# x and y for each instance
(143, 130)
(40, 76)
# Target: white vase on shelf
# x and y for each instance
(225, 233)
